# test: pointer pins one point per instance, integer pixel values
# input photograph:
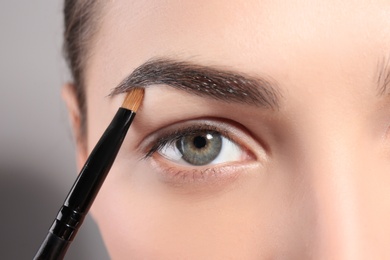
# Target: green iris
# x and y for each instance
(200, 148)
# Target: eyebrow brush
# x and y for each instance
(91, 177)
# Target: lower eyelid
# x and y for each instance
(199, 175)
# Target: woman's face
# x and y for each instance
(301, 169)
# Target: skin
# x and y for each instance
(314, 181)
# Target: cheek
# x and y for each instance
(143, 218)
(122, 213)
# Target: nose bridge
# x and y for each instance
(332, 163)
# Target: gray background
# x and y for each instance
(37, 165)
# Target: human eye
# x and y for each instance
(196, 149)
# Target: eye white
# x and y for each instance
(230, 152)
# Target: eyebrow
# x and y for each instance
(205, 81)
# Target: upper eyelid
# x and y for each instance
(177, 134)
(232, 130)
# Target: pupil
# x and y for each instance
(200, 148)
(200, 142)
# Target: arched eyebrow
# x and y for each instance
(205, 81)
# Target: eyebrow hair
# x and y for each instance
(205, 81)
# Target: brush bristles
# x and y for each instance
(134, 99)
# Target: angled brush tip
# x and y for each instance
(134, 99)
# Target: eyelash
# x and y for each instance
(151, 151)
(171, 137)
(179, 174)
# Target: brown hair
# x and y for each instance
(80, 26)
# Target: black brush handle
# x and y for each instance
(86, 187)
(52, 247)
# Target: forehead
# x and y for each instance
(295, 41)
